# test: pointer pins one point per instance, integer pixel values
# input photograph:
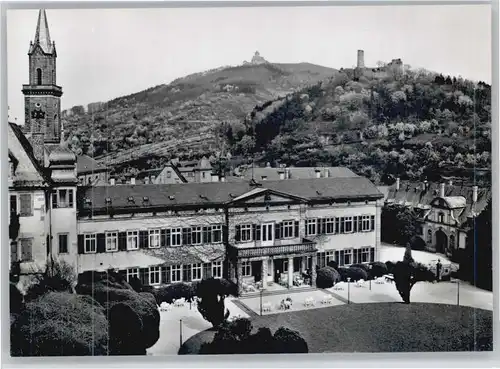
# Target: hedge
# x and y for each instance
(60, 324)
(326, 277)
(378, 269)
(174, 292)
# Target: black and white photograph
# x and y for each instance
(249, 180)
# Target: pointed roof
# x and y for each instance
(42, 35)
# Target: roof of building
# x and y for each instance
(29, 171)
(413, 194)
(59, 154)
(42, 35)
(272, 174)
(85, 164)
(213, 193)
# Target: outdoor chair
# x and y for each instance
(380, 280)
(338, 287)
(164, 306)
(327, 299)
(179, 303)
(266, 306)
(309, 301)
(360, 283)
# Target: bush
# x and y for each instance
(15, 299)
(354, 273)
(105, 291)
(326, 277)
(211, 295)
(365, 267)
(289, 341)
(378, 269)
(123, 337)
(58, 276)
(174, 292)
(333, 264)
(60, 324)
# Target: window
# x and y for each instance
(246, 268)
(441, 217)
(217, 269)
(203, 174)
(132, 240)
(365, 223)
(62, 199)
(131, 273)
(90, 243)
(321, 259)
(38, 76)
(111, 241)
(347, 257)
(196, 271)
(346, 225)
(365, 255)
(176, 273)
(288, 229)
(154, 275)
(25, 205)
(216, 234)
(246, 232)
(154, 238)
(330, 256)
(429, 236)
(310, 227)
(26, 249)
(63, 243)
(452, 242)
(329, 225)
(169, 174)
(176, 237)
(13, 204)
(196, 235)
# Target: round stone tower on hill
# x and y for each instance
(257, 59)
(361, 59)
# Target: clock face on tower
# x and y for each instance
(38, 113)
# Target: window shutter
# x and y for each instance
(341, 261)
(277, 231)
(167, 237)
(163, 237)
(144, 276)
(70, 198)
(355, 256)
(207, 270)
(342, 222)
(101, 242)
(225, 234)
(296, 228)
(355, 224)
(360, 224)
(122, 241)
(372, 254)
(13, 251)
(323, 225)
(26, 205)
(372, 222)
(80, 244)
(254, 233)
(185, 236)
(54, 200)
(258, 232)
(186, 273)
(165, 277)
(237, 236)
(337, 225)
(337, 257)
(305, 228)
(205, 235)
(143, 239)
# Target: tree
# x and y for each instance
(289, 341)
(406, 274)
(407, 258)
(211, 294)
(399, 224)
(58, 276)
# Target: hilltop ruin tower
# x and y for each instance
(361, 59)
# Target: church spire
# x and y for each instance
(42, 36)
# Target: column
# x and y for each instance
(239, 276)
(304, 264)
(313, 270)
(263, 272)
(290, 272)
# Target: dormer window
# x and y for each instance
(131, 200)
(203, 197)
(63, 198)
(171, 197)
(38, 76)
(108, 200)
(88, 201)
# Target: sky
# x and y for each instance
(108, 53)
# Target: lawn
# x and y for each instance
(382, 327)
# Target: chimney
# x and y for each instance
(397, 184)
(146, 180)
(282, 175)
(318, 173)
(223, 179)
(450, 182)
(327, 173)
(474, 194)
(268, 165)
(361, 59)
(132, 181)
(112, 181)
(441, 190)
(287, 173)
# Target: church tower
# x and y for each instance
(42, 96)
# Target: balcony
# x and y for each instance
(250, 252)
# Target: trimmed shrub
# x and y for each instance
(15, 299)
(390, 266)
(365, 267)
(333, 264)
(58, 276)
(60, 324)
(289, 341)
(211, 294)
(261, 342)
(174, 292)
(123, 337)
(378, 269)
(357, 273)
(326, 277)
